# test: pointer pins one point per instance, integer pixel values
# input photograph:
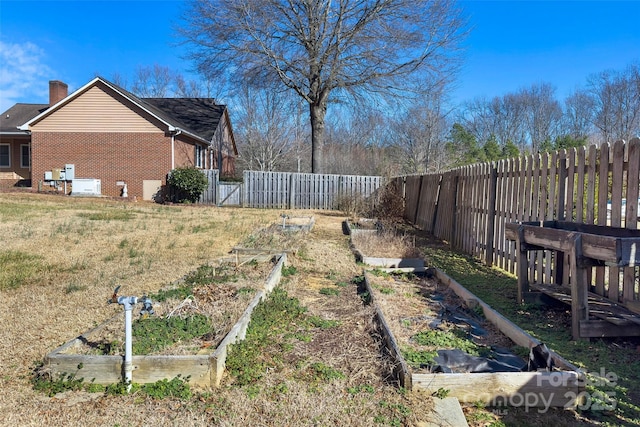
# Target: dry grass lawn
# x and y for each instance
(62, 257)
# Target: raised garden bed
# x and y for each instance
(283, 236)
(376, 246)
(226, 304)
(447, 341)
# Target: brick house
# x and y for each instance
(109, 134)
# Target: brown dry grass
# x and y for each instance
(385, 244)
(72, 252)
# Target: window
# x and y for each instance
(5, 156)
(199, 156)
(25, 158)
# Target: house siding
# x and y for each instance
(99, 109)
(111, 157)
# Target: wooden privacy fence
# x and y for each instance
(469, 207)
(288, 190)
(210, 194)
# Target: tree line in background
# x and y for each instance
(421, 137)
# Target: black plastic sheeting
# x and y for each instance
(457, 361)
(498, 359)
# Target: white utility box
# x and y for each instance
(86, 187)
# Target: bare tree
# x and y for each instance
(187, 88)
(322, 49)
(543, 114)
(118, 79)
(266, 128)
(420, 134)
(578, 112)
(501, 118)
(353, 141)
(616, 97)
(153, 82)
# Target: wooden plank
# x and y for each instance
(591, 184)
(99, 369)
(546, 210)
(521, 202)
(616, 212)
(631, 217)
(516, 389)
(598, 306)
(537, 257)
(501, 243)
(603, 328)
(580, 185)
(400, 368)
(527, 193)
(149, 369)
(579, 295)
(513, 207)
(489, 237)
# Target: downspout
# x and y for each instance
(177, 131)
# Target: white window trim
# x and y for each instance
(199, 156)
(28, 165)
(9, 152)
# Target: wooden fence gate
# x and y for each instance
(229, 194)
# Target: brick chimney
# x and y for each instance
(57, 91)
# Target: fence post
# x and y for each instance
(491, 214)
(291, 191)
(560, 273)
(415, 213)
(454, 189)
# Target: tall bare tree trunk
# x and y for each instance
(317, 113)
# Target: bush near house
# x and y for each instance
(187, 184)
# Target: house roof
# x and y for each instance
(201, 116)
(17, 115)
(196, 117)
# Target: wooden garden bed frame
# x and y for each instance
(560, 388)
(204, 370)
(383, 263)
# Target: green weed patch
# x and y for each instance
(153, 334)
(273, 319)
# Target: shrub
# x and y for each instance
(187, 183)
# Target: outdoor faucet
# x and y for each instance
(284, 220)
(128, 303)
(147, 307)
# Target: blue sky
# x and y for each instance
(513, 44)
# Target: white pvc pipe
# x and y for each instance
(128, 303)
(128, 350)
